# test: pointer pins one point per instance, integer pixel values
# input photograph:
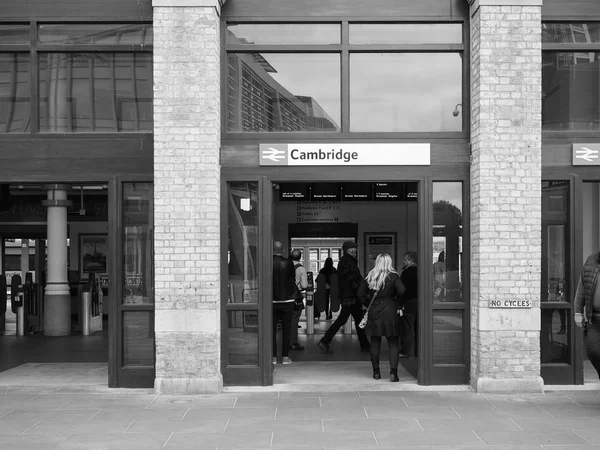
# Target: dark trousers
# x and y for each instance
(392, 347)
(283, 312)
(355, 310)
(409, 335)
(592, 345)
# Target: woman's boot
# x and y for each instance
(376, 374)
(394, 375)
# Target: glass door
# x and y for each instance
(448, 352)
(132, 360)
(246, 298)
(556, 331)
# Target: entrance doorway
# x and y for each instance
(425, 216)
(317, 218)
(29, 356)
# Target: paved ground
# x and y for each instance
(80, 418)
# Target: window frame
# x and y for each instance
(35, 49)
(568, 47)
(345, 49)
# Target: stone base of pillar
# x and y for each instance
(531, 385)
(57, 314)
(188, 386)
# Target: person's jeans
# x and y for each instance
(409, 331)
(592, 345)
(294, 327)
(355, 310)
(283, 312)
(392, 347)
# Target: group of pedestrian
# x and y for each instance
(391, 301)
(391, 297)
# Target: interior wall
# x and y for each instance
(372, 217)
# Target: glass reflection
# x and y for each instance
(15, 109)
(243, 217)
(447, 242)
(570, 33)
(138, 338)
(555, 223)
(405, 33)
(100, 92)
(95, 34)
(284, 34)
(283, 92)
(138, 243)
(14, 34)
(242, 338)
(447, 337)
(555, 335)
(401, 92)
(570, 91)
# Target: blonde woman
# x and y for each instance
(384, 313)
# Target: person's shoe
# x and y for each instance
(376, 374)
(329, 317)
(296, 347)
(365, 349)
(324, 347)
(286, 360)
(274, 360)
(394, 375)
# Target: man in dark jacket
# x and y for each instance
(284, 291)
(587, 308)
(410, 306)
(349, 281)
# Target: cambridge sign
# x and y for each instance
(344, 154)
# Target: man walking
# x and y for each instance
(284, 291)
(587, 308)
(349, 280)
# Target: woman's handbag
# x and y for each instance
(365, 319)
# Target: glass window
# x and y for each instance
(284, 34)
(283, 92)
(138, 243)
(15, 109)
(570, 33)
(405, 92)
(447, 242)
(242, 338)
(100, 92)
(95, 34)
(404, 33)
(138, 338)
(14, 34)
(243, 242)
(571, 91)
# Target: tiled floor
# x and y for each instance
(59, 418)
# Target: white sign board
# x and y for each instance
(510, 304)
(399, 154)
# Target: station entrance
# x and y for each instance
(393, 217)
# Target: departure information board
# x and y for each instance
(326, 192)
(347, 192)
(294, 191)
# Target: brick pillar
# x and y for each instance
(187, 195)
(505, 194)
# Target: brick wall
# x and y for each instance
(505, 195)
(187, 199)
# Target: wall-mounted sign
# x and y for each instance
(294, 191)
(510, 303)
(366, 154)
(586, 154)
